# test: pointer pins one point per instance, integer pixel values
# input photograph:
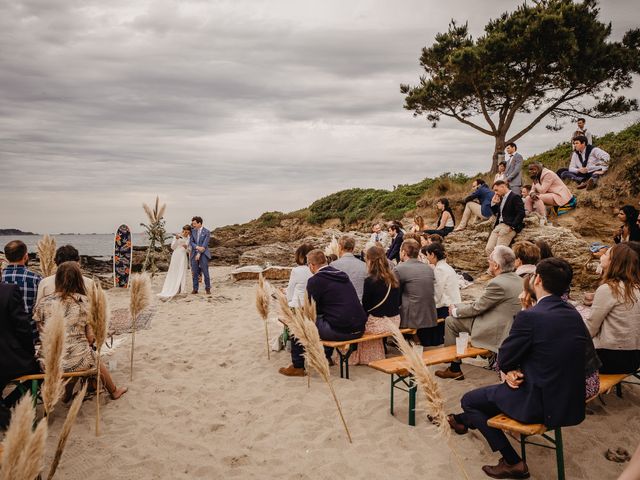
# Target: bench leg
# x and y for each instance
(559, 453)
(344, 361)
(412, 404)
(619, 390)
(393, 386)
(34, 392)
(523, 447)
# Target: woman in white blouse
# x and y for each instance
(297, 288)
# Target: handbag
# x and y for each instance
(382, 301)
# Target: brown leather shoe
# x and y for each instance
(504, 470)
(591, 184)
(459, 428)
(292, 371)
(207, 291)
(448, 373)
(582, 185)
(193, 292)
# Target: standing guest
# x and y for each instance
(397, 237)
(547, 189)
(340, 315)
(489, 318)
(17, 273)
(629, 231)
(545, 249)
(502, 167)
(446, 289)
(418, 225)
(70, 295)
(418, 307)
(378, 235)
(65, 253)
(477, 205)
(300, 275)
(509, 211)
(200, 255)
(544, 363)
(381, 300)
(513, 172)
(614, 323)
(581, 131)
(446, 220)
(355, 268)
(527, 256)
(588, 164)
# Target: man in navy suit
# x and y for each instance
(397, 237)
(200, 254)
(543, 362)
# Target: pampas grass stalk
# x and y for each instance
(99, 321)
(140, 287)
(307, 334)
(148, 211)
(23, 449)
(66, 429)
(53, 340)
(46, 253)
(262, 305)
(332, 248)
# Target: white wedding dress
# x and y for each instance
(176, 280)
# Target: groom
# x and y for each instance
(200, 254)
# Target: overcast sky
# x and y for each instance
(225, 109)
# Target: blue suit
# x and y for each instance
(484, 194)
(201, 265)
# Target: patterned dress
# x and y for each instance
(78, 353)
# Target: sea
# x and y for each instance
(94, 245)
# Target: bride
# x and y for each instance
(176, 280)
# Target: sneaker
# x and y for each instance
(292, 371)
(504, 470)
(448, 373)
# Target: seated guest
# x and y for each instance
(447, 288)
(502, 167)
(381, 300)
(588, 164)
(297, 287)
(544, 363)
(355, 268)
(66, 253)
(418, 308)
(340, 315)
(477, 206)
(629, 230)
(489, 318)
(446, 220)
(509, 211)
(393, 253)
(378, 235)
(614, 323)
(16, 343)
(545, 249)
(418, 225)
(413, 236)
(17, 273)
(434, 238)
(547, 190)
(525, 190)
(527, 256)
(70, 295)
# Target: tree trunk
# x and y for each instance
(498, 153)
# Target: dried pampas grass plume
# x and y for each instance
(23, 449)
(47, 254)
(263, 300)
(140, 288)
(149, 212)
(332, 248)
(99, 322)
(66, 429)
(306, 332)
(53, 340)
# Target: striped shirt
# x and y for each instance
(28, 282)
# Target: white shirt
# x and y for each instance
(504, 200)
(446, 288)
(297, 288)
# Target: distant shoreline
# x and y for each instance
(14, 231)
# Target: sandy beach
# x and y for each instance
(206, 403)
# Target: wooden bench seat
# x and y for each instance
(351, 346)
(402, 379)
(36, 379)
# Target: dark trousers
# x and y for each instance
(619, 361)
(442, 232)
(197, 267)
(326, 332)
(578, 177)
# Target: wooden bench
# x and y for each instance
(523, 430)
(36, 379)
(352, 345)
(402, 379)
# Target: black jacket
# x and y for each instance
(16, 344)
(512, 213)
(394, 250)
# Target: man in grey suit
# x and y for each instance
(488, 319)
(418, 306)
(355, 268)
(513, 173)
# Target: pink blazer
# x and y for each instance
(552, 184)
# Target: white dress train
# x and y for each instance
(176, 279)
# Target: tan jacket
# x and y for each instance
(553, 184)
(613, 324)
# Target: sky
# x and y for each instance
(226, 109)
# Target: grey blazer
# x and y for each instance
(513, 173)
(418, 305)
(493, 312)
(355, 269)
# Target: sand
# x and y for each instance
(206, 403)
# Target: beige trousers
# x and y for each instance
(473, 211)
(502, 234)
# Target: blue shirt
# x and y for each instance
(28, 282)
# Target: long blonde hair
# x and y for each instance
(378, 267)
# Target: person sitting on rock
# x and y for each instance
(397, 237)
(340, 315)
(355, 268)
(527, 256)
(509, 212)
(588, 164)
(65, 253)
(489, 318)
(525, 190)
(446, 220)
(477, 206)
(378, 235)
(629, 230)
(547, 190)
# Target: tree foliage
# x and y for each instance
(551, 58)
